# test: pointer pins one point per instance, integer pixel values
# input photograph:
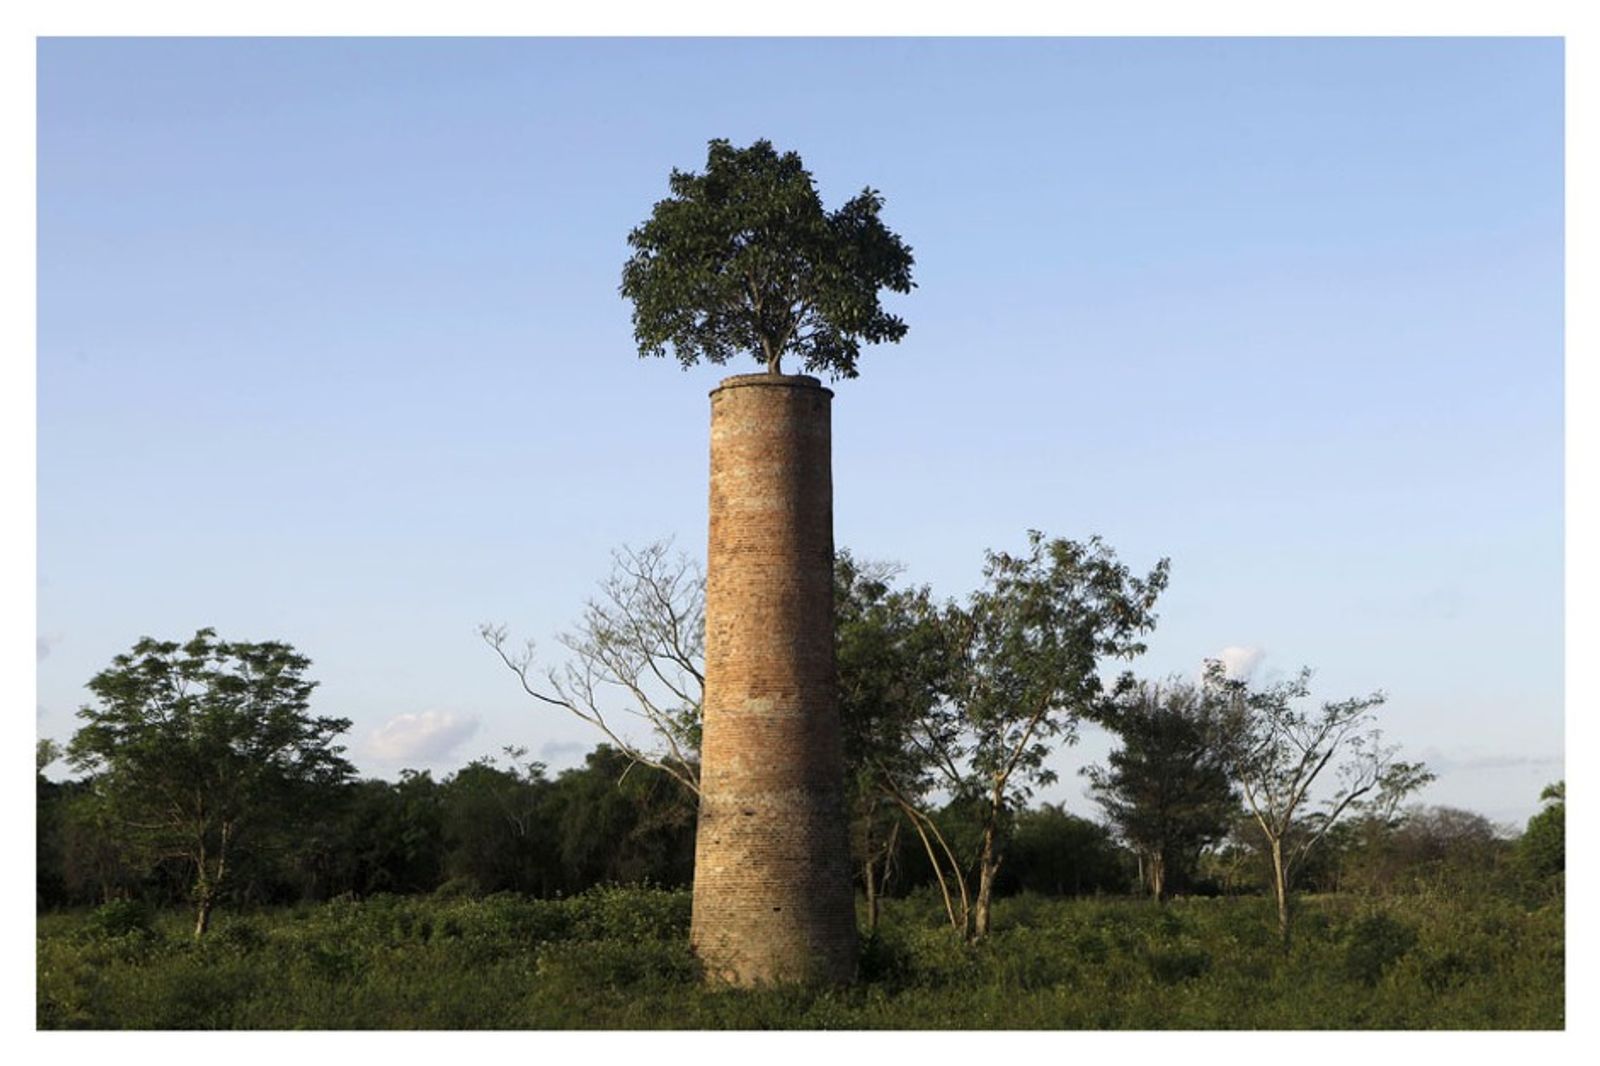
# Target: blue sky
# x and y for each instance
(330, 351)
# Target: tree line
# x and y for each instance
(206, 777)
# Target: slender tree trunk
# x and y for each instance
(1158, 876)
(203, 904)
(1280, 888)
(208, 883)
(876, 872)
(987, 868)
(928, 832)
(869, 877)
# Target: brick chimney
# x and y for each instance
(773, 899)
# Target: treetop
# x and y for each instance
(743, 258)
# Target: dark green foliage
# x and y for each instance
(1055, 853)
(1542, 851)
(122, 917)
(390, 838)
(1375, 943)
(619, 821)
(205, 752)
(1172, 966)
(612, 912)
(1168, 788)
(1032, 642)
(487, 828)
(893, 659)
(743, 259)
(50, 804)
(1033, 639)
(97, 862)
(243, 935)
(496, 835)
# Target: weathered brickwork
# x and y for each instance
(772, 892)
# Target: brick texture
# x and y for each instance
(773, 900)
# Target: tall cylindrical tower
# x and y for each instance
(772, 891)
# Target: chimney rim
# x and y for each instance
(783, 381)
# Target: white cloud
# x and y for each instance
(1239, 662)
(45, 644)
(420, 737)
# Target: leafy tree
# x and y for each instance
(1056, 853)
(1168, 789)
(743, 258)
(1278, 752)
(49, 884)
(1030, 644)
(205, 750)
(1444, 843)
(1542, 850)
(893, 667)
(620, 822)
(378, 836)
(497, 835)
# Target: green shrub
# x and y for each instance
(884, 960)
(193, 993)
(241, 934)
(1375, 943)
(630, 913)
(939, 958)
(1172, 966)
(122, 917)
(331, 962)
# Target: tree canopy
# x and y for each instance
(744, 258)
(1168, 788)
(1543, 847)
(204, 749)
(1030, 645)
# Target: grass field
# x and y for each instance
(618, 959)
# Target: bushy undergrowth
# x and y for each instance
(619, 958)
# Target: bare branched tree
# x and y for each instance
(1279, 751)
(638, 652)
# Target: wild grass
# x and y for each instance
(618, 958)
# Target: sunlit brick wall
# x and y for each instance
(772, 893)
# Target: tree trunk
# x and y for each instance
(1158, 876)
(1280, 888)
(869, 876)
(987, 868)
(928, 832)
(202, 920)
